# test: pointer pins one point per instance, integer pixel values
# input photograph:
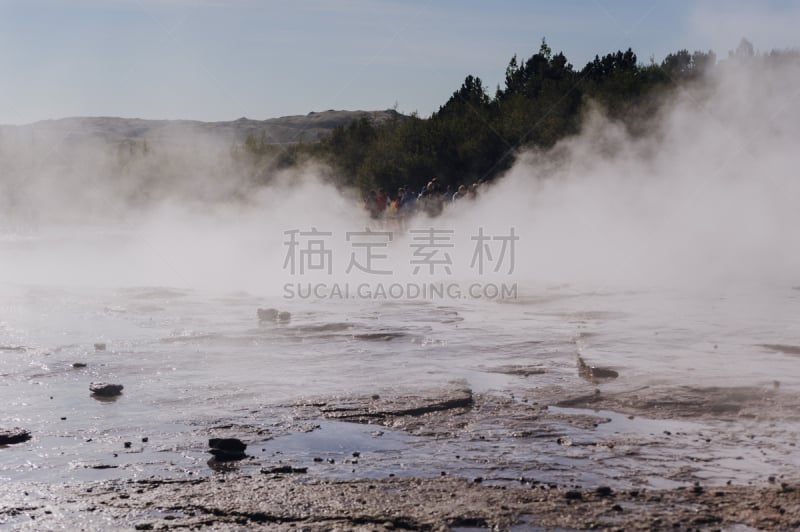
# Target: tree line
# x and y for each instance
(475, 136)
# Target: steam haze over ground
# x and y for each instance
(707, 194)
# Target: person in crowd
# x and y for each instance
(371, 203)
(430, 199)
(460, 193)
(409, 201)
(381, 200)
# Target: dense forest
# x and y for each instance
(475, 136)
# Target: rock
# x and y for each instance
(284, 469)
(77, 365)
(227, 456)
(519, 371)
(15, 435)
(273, 314)
(100, 346)
(227, 444)
(368, 410)
(267, 314)
(594, 374)
(105, 389)
(604, 491)
(227, 449)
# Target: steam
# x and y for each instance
(708, 196)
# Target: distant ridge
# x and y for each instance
(284, 130)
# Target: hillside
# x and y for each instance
(285, 130)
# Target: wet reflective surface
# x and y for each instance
(195, 364)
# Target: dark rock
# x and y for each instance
(15, 435)
(105, 389)
(227, 444)
(221, 455)
(78, 365)
(284, 469)
(604, 491)
(573, 495)
(227, 449)
(127, 445)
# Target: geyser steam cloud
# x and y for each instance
(709, 194)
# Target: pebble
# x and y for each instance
(105, 389)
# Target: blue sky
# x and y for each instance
(220, 60)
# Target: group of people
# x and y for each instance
(432, 199)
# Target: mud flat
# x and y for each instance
(453, 459)
(241, 502)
